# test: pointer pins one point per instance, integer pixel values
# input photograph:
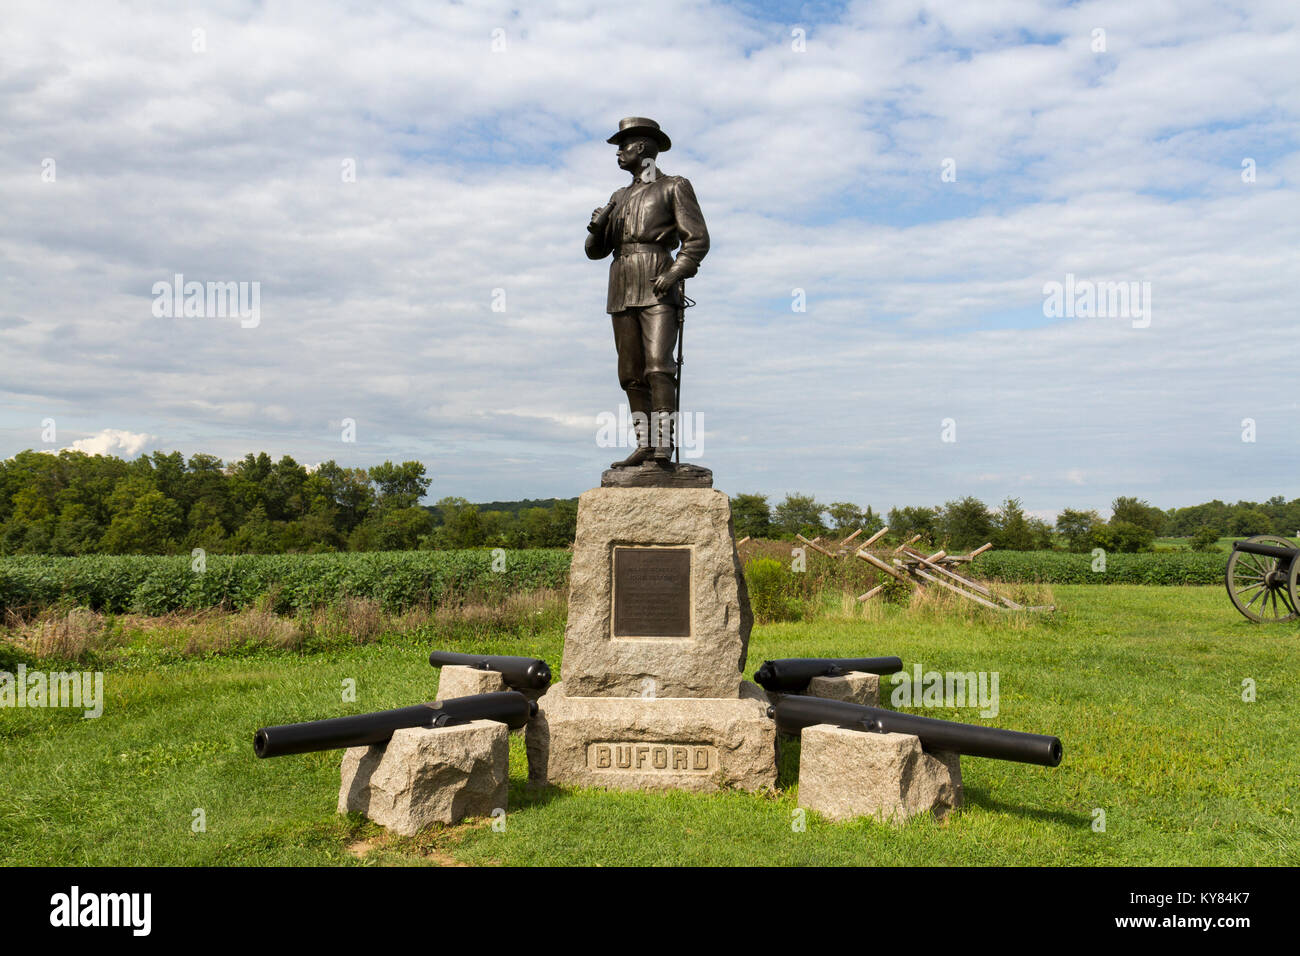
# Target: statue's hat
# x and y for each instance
(640, 126)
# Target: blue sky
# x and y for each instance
(221, 155)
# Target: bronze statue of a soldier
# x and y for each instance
(641, 225)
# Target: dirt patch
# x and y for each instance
(433, 845)
(359, 848)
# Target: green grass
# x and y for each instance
(1142, 684)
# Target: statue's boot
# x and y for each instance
(663, 397)
(663, 437)
(638, 401)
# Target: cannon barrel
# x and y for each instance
(1269, 550)
(521, 673)
(792, 674)
(510, 707)
(793, 713)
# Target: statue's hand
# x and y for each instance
(596, 214)
(664, 283)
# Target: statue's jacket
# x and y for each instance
(647, 222)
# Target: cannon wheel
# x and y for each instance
(1264, 588)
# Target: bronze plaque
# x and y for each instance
(652, 592)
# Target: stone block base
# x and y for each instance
(847, 773)
(684, 632)
(854, 687)
(669, 743)
(456, 680)
(428, 775)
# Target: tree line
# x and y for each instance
(967, 523)
(73, 503)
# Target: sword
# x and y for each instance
(687, 302)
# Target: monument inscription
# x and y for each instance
(652, 592)
(638, 756)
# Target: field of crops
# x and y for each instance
(404, 579)
(1059, 567)
(158, 585)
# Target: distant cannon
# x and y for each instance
(509, 707)
(793, 713)
(520, 673)
(791, 675)
(1261, 578)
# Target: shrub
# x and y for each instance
(1123, 536)
(894, 591)
(772, 591)
(1205, 539)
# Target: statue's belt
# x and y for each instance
(628, 248)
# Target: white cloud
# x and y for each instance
(114, 441)
(820, 170)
